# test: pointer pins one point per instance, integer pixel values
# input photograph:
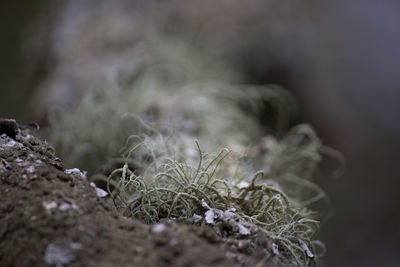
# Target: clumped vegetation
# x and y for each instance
(149, 142)
(205, 190)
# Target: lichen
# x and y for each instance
(182, 189)
(137, 141)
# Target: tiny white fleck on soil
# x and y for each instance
(158, 228)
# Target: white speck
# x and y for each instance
(210, 216)
(77, 171)
(243, 230)
(306, 249)
(64, 206)
(100, 192)
(275, 249)
(13, 143)
(38, 161)
(158, 228)
(31, 169)
(58, 255)
(197, 217)
(204, 204)
(229, 214)
(49, 205)
(18, 160)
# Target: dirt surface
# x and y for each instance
(50, 216)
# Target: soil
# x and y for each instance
(50, 216)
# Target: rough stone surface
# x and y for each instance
(50, 217)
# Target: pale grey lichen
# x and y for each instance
(58, 256)
(137, 139)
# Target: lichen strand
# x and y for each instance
(178, 90)
(200, 189)
(185, 95)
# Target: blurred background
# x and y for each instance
(339, 58)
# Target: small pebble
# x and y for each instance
(158, 228)
(64, 206)
(76, 171)
(49, 205)
(100, 192)
(31, 169)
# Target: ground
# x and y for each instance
(53, 216)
